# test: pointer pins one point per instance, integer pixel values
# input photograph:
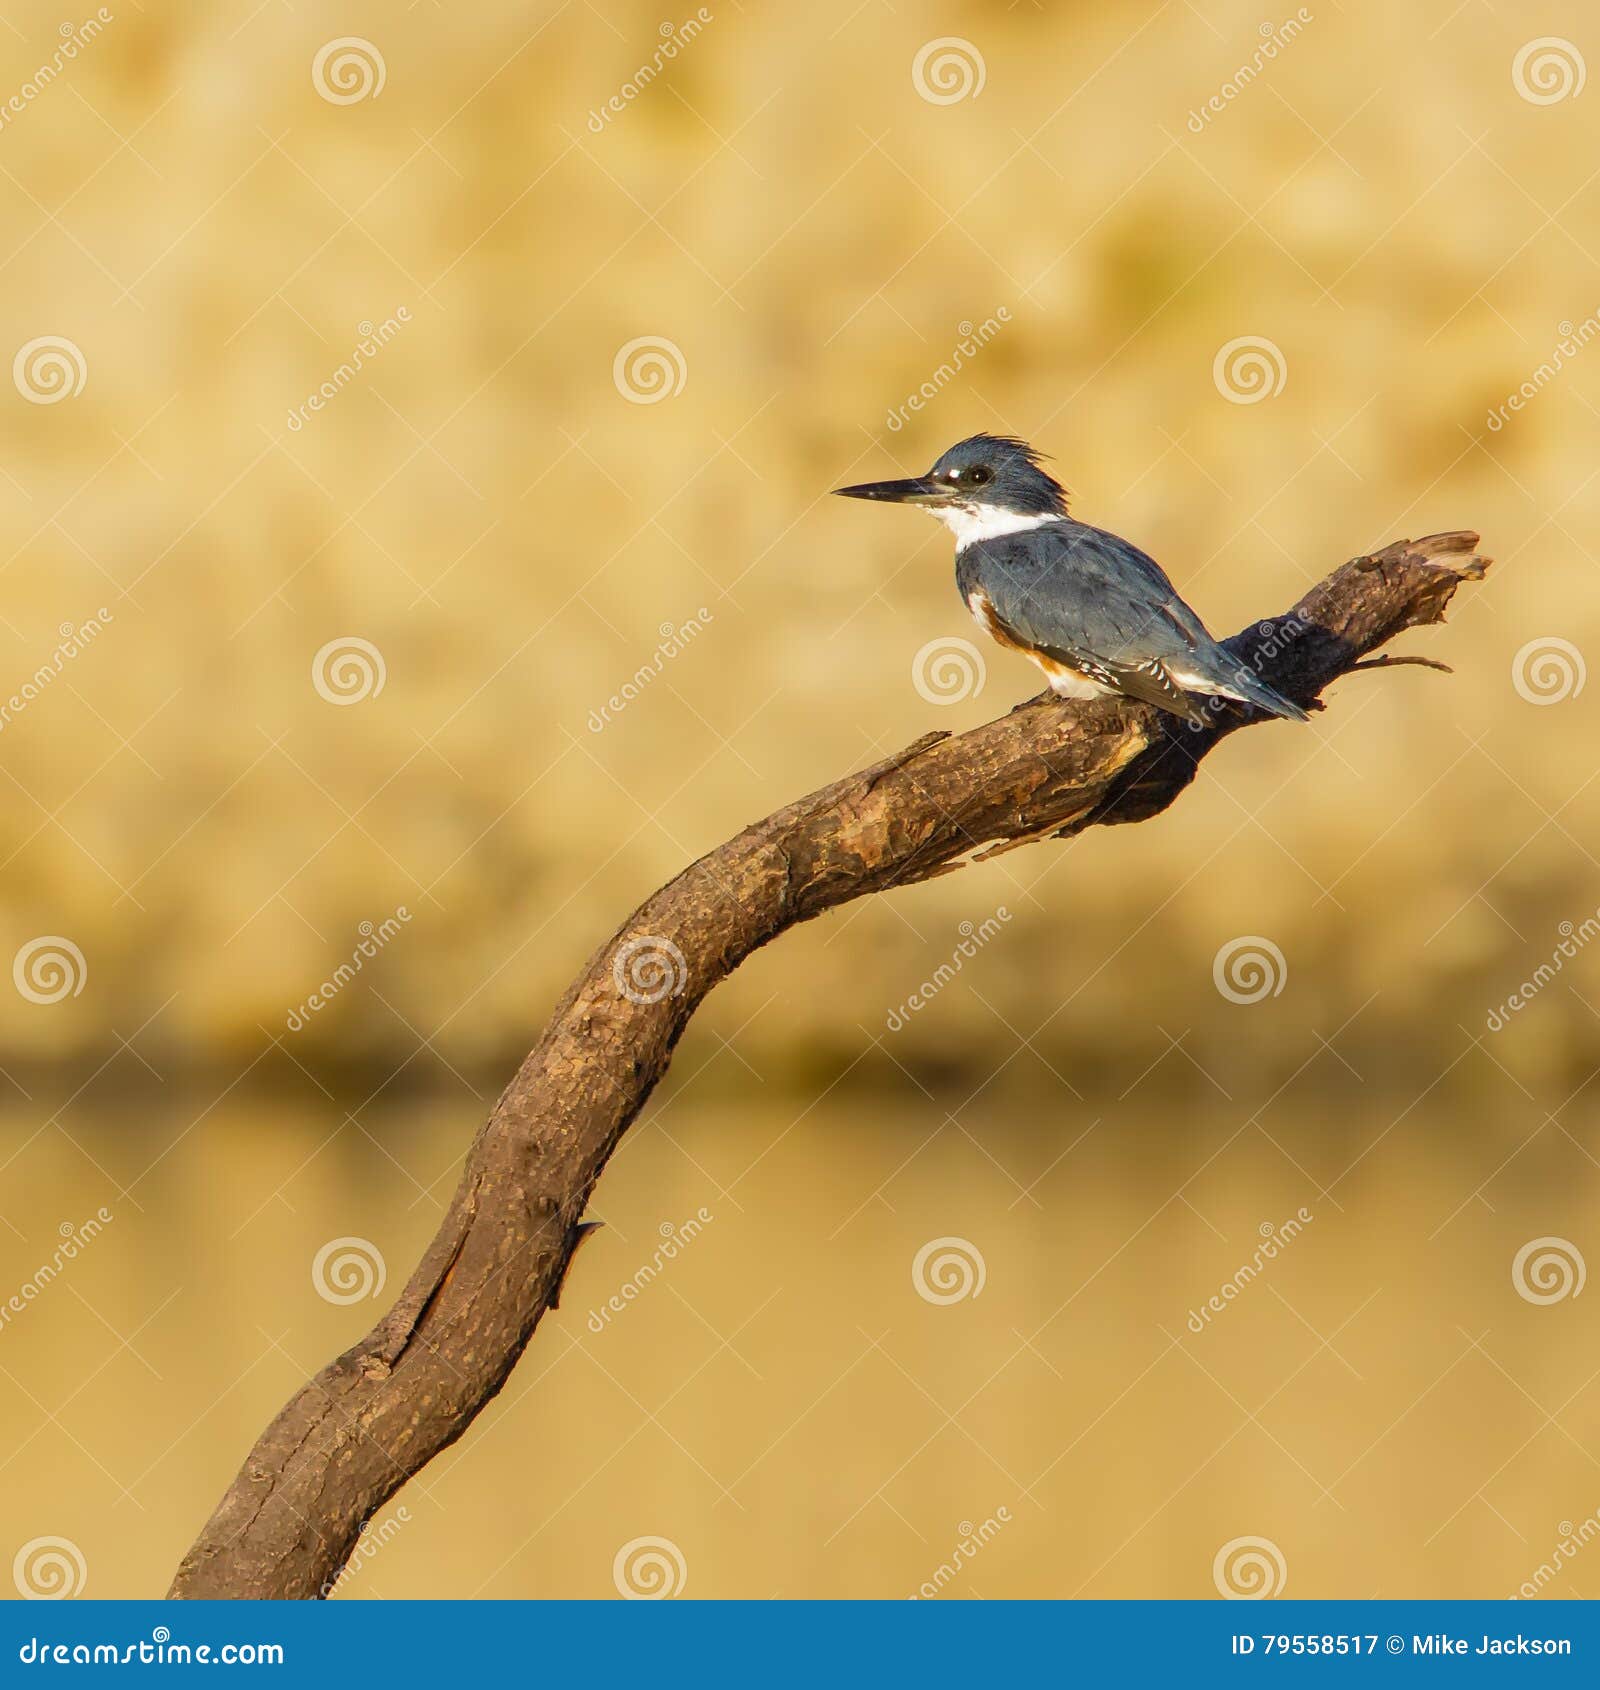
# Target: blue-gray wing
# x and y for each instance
(1085, 593)
(1092, 602)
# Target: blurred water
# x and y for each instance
(780, 1402)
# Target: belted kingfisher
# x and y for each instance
(1091, 610)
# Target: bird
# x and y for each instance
(1097, 615)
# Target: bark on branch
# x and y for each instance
(355, 1433)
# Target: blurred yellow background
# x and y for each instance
(435, 422)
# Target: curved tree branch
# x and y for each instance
(355, 1433)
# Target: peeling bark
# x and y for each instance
(355, 1433)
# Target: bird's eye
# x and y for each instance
(977, 475)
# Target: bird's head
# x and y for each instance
(989, 472)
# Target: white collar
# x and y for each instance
(970, 523)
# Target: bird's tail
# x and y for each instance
(1247, 689)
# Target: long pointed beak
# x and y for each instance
(918, 490)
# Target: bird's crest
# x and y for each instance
(1015, 452)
